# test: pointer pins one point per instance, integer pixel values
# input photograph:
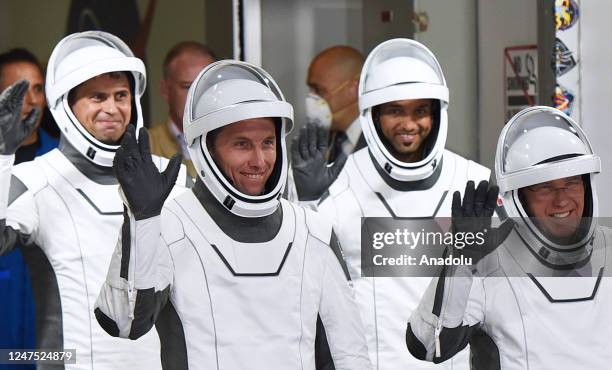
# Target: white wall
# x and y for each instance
(596, 106)
(293, 32)
(309, 26)
(451, 35)
(501, 23)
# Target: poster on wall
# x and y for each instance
(520, 78)
(565, 57)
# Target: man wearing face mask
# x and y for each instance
(331, 121)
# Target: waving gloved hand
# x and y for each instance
(474, 215)
(310, 170)
(14, 130)
(144, 187)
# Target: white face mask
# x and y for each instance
(318, 111)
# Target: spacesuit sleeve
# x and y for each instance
(18, 215)
(340, 316)
(138, 280)
(449, 314)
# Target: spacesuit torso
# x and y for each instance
(239, 304)
(66, 222)
(386, 303)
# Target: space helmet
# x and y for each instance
(401, 69)
(537, 145)
(225, 92)
(77, 58)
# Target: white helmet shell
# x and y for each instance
(225, 92)
(77, 58)
(402, 69)
(537, 145)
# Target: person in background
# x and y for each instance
(17, 329)
(181, 65)
(20, 64)
(332, 113)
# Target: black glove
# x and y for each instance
(145, 188)
(474, 216)
(14, 130)
(311, 173)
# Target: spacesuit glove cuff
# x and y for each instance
(6, 160)
(310, 204)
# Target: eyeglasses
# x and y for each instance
(547, 191)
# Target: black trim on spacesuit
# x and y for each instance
(415, 347)
(484, 353)
(552, 300)
(454, 340)
(543, 252)
(149, 304)
(10, 238)
(96, 173)
(108, 324)
(334, 244)
(423, 184)
(172, 339)
(16, 188)
(253, 274)
(323, 357)
(47, 299)
(92, 204)
(242, 229)
(126, 241)
(388, 207)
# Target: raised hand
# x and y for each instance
(144, 187)
(310, 170)
(14, 130)
(474, 214)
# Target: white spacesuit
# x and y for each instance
(64, 210)
(535, 302)
(374, 183)
(236, 279)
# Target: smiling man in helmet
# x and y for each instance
(405, 171)
(63, 207)
(237, 275)
(541, 284)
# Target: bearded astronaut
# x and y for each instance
(539, 297)
(63, 208)
(235, 274)
(403, 172)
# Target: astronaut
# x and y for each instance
(404, 172)
(236, 275)
(538, 298)
(64, 208)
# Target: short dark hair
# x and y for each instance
(17, 55)
(114, 75)
(184, 46)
